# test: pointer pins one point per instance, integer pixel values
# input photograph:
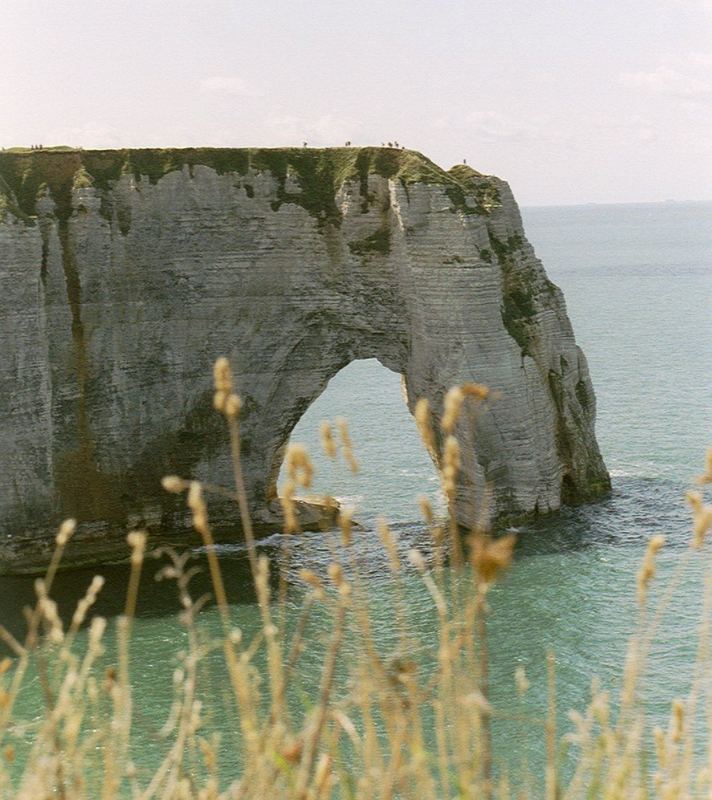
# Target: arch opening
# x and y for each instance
(394, 466)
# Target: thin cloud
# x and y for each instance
(700, 59)
(705, 5)
(495, 126)
(492, 126)
(228, 85)
(668, 81)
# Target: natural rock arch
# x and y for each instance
(126, 283)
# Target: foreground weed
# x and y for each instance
(414, 723)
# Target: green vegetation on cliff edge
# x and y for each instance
(320, 173)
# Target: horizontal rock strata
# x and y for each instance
(126, 273)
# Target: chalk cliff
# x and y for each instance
(126, 273)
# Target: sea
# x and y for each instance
(637, 279)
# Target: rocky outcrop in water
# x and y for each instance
(126, 273)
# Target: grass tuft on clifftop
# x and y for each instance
(319, 172)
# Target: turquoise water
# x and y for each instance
(638, 285)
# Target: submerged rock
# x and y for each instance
(126, 273)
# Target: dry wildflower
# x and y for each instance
(222, 375)
(173, 484)
(298, 464)
(292, 751)
(451, 466)
(9, 754)
(424, 423)
(286, 500)
(647, 568)
(426, 509)
(87, 601)
(346, 445)
(233, 406)
(336, 574)
(600, 708)
(521, 681)
(137, 542)
(701, 524)
(224, 399)
(196, 503)
(328, 442)
(311, 579)
(677, 721)
(416, 558)
(346, 525)
(491, 556)
(475, 391)
(389, 543)
(66, 529)
(452, 407)
(706, 476)
(694, 500)
(322, 772)
(477, 700)
(701, 517)
(97, 627)
(54, 624)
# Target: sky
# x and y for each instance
(571, 101)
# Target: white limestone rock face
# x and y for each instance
(119, 292)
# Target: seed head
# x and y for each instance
(233, 406)
(451, 466)
(322, 773)
(491, 556)
(701, 518)
(346, 525)
(452, 407)
(219, 399)
(521, 681)
(694, 499)
(475, 391)
(389, 542)
(292, 751)
(706, 476)
(137, 542)
(424, 423)
(417, 560)
(336, 574)
(426, 509)
(196, 503)
(222, 375)
(66, 530)
(677, 720)
(647, 568)
(310, 577)
(286, 500)
(346, 445)
(298, 463)
(327, 439)
(173, 484)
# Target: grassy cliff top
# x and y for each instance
(320, 172)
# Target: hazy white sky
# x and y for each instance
(570, 100)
